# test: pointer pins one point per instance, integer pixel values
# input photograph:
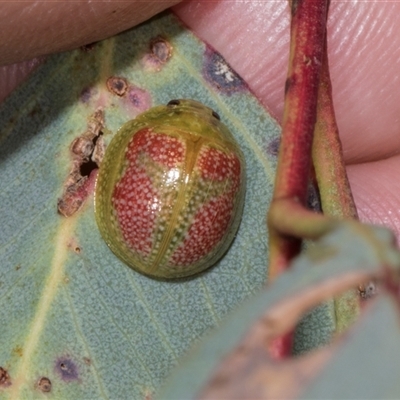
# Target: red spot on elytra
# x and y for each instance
(212, 219)
(217, 165)
(166, 150)
(133, 199)
(136, 200)
(208, 228)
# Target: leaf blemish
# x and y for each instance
(137, 100)
(87, 93)
(134, 99)
(87, 360)
(117, 85)
(161, 49)
(160, 52)
(44, 384)
(18, 350)
(219, 73)
(273, 147)
(5, 379)
(67, 369)
(87, 151)
(73, 245)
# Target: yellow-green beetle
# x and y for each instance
(170, 190)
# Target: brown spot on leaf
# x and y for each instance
(18, 350)
(5, 379)
(117, 85)
(73, 245)
(82, 146)
(160, 49)
(160, 52)
(87, 361)
(87, 152)
(75, 195)
(44, 384)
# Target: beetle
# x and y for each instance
(170, 190)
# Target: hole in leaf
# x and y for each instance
(87, 167)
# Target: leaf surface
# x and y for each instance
(70, 310)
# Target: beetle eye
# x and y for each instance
(216, 115)
(174, 103)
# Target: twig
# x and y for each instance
(308, 27)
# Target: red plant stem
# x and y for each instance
(308, 27)
(306, 52)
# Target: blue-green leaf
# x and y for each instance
(344, 257)
(70, 310)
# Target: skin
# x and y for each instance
(364, 51)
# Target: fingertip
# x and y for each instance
(34, 28)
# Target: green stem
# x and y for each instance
(290, 218)
(335, 193)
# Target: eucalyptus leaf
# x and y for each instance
(367, 363)
(349, 249)
(71, 312)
